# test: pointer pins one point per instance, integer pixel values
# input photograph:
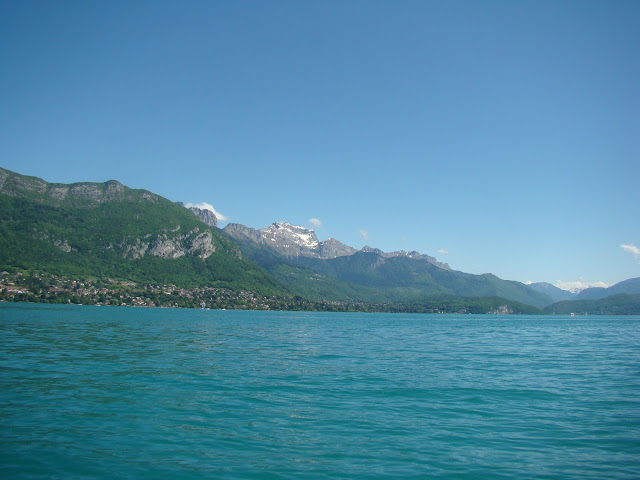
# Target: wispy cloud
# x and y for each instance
(317, 223)
(579, 285)
(632, 249)
(364, 234)
(443, 251)
(207, 206)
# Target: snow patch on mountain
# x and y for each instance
(290, 235)
(579, 285)
(294, 241)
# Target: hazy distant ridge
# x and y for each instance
(556, 294)
(631, 286)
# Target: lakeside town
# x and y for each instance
(41, 288)
(36, 287)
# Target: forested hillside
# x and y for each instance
(108, 230)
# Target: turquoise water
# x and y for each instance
(116, 392)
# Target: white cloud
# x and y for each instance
(632, 249)
(579, 285)
(443, 251)
(317, 223)
(207, 206)
(364, 234)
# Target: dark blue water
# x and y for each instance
(116, 392)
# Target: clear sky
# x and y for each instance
(497, 136)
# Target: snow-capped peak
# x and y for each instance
(287, 234)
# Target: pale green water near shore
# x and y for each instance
(115, 392)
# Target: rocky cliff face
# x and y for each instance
(290, 240)
(413, 255)
(164, 243)
(33, 188)
(168, 245)
(207, 216)
(242, 232)
(332, 248)
(294, 241)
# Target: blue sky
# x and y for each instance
(499, 137)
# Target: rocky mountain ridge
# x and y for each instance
(76, 194)
(294, 240)
(207, 216)
(412, 255)
(167, 245)
(556, 294)
(290, 240)
(305, 266)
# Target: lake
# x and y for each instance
(117, 392)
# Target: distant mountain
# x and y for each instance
(556, 294)
(401, 253)
(619, 304)
(406, 278)
(293, 241)
(294, 256)
(109, 230)
(290, 240)
(631, 286)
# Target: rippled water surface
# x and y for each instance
(116, 392)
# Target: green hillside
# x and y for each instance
(402, 278)
(621, 304)
(370, 277)
(108, 230)
(306, 282)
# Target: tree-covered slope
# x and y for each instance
(303, 281)
(621, 304)
(405, 278)
(369, 276)
(108, 230)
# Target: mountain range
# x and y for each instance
(109, 230)
(556, 294)
(295, 257)
(630, 286)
